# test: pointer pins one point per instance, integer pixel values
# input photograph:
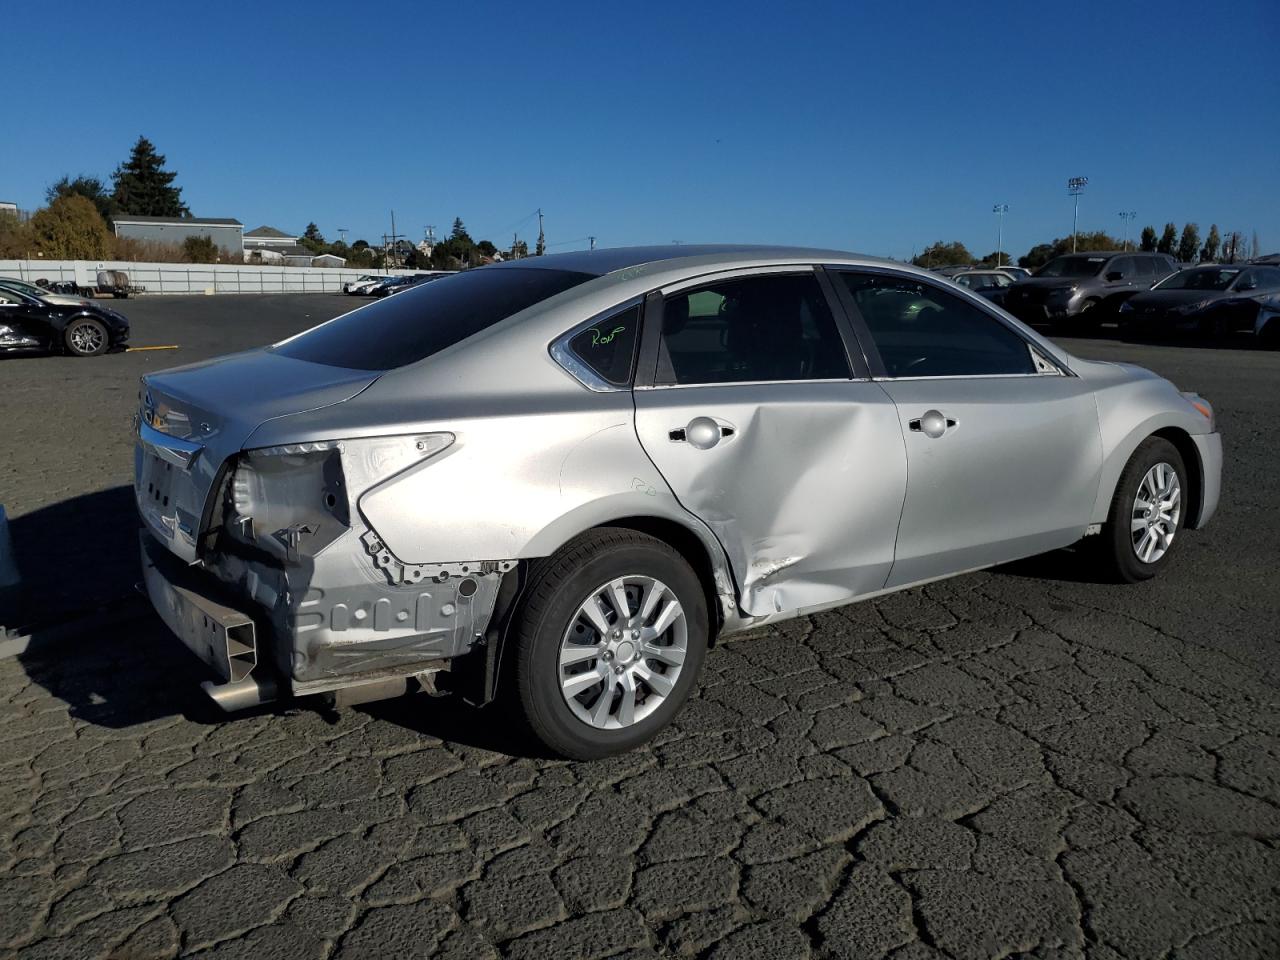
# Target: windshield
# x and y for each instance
(1072, 267)
(1203, 278)
(428, 318)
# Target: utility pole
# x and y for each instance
(542, 238)
(342, 235)
(389, 242)
(593, 242)
(1075, 187)
(1127, 216)
(1000, 209)
(430, 231)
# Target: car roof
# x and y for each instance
(612, 259)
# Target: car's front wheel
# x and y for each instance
(1148, 510)
(608, 643)
(86, 337)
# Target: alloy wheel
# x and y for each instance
(86, 338)
(623, 652)
(1157, 506)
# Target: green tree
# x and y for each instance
(1189, 245)
(200, 249)
(1042, 253)
(15, 236)
(519, 250)
(90, 188)
(313, 239)
(459, 233)
(944, 255)
(1168, 239)
(1148, 239)
(144, 188)
(1211, 244)
(71, 228)
(486, 248)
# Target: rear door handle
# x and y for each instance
(701, 432)
(933, 424)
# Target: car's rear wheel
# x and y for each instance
(608, 643)
(86, 337)
(1148, 509)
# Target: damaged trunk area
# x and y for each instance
(292, 554)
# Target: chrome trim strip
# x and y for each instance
(181, 453)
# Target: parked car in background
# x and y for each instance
(360, 284)
(1018, 273)
(991, 284)
(375, 289)
(81, 328)
(34, 290)
(395, 285)
(1078, 291)
(560, 479)
(1212, 300)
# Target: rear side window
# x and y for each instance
(608, 347)
(1148, 266)
(922, 331)
(427, 318)
(763, 328)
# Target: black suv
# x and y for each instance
(1080, 289)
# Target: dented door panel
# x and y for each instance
(803, 491)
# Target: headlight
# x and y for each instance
(1194, 307)
(1126, 307)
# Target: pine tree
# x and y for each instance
(144, 188)
(1168, 239)
(1149, 239)
(1189, 245)
(1211, 244)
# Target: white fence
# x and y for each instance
(195, 277)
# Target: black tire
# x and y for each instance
(556, 588)
(1090, 317)
(86, 337)
(1115, 547)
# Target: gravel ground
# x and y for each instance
(1019, 762)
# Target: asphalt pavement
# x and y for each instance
(1018, 762)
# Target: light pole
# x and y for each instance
(1075, 187)
(1127, 216)
(1000, 209)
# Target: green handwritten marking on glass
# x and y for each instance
(598, 338)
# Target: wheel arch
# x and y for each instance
(1190, 454)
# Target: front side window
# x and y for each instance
(771, 327)
(427, 318)
(921, 331)
(1122, 268)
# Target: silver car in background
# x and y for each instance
(562, 478)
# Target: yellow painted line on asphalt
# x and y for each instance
(170, 346)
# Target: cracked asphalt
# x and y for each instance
(1019, 762)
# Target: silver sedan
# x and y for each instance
(561, 479)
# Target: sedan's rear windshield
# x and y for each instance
(427, 318)
(1072, 267)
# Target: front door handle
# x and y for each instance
(701, 432)
(933, 424)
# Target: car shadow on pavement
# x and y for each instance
(494, 728)
(1071, 564)
(90, 638)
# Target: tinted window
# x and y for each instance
(1148, 266)
(1201, 278)
(427, 318)
(775, 327)
(609, 347)
(921, 331)
(1072, 266)
(1124, 266)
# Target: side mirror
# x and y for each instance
(1115, 275)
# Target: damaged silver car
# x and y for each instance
(562, 478)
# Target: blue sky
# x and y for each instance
(866, 126)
